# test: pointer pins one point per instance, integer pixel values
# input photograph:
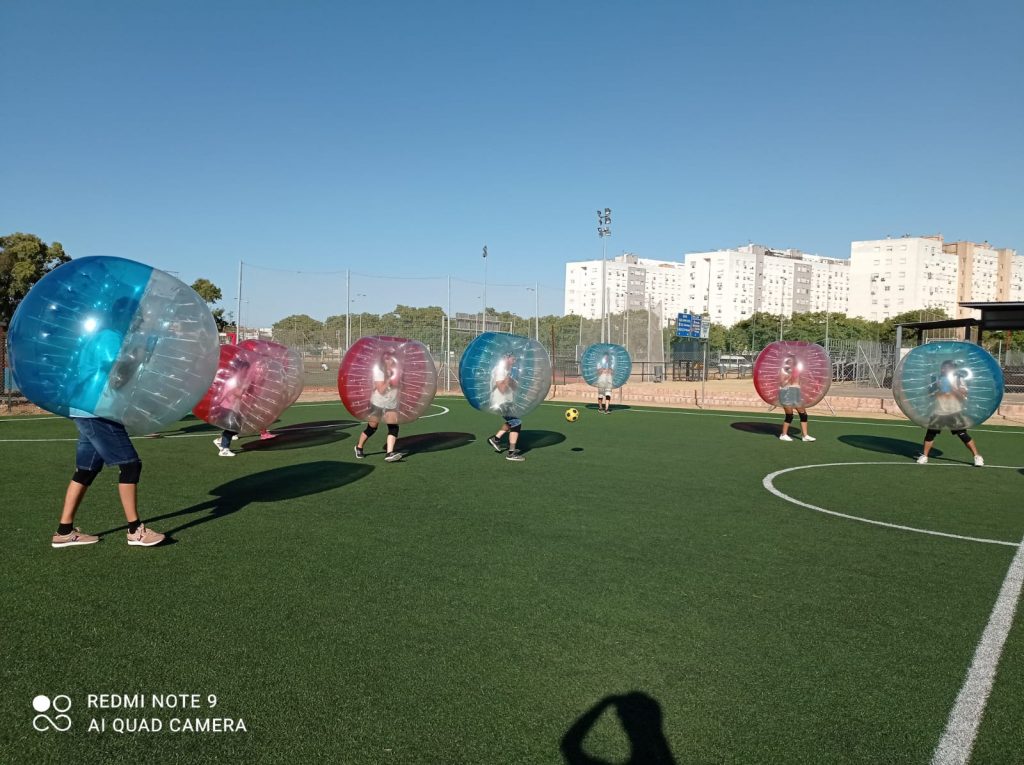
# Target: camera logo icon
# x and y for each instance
(60, 722)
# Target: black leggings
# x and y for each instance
(930, 434)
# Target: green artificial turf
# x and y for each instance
(460, 608)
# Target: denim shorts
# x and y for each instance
(791, 396)
(102, 442)
(513, 421)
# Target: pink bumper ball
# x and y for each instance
(290, 358)
(248, 392)
(384, 375)
(792, 373)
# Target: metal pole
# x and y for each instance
(782, 306)
(448, 357)
(604, 288)
(536, 310)
(828, 289)
(649, 328)
(238, 314)
(704, 375)
(348, 309)
(485, 290)
(604, 230)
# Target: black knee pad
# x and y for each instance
(85, 477)
(516, 428)
(929, 435)
(392, 430)
(803, 416)
(789, 417)
(130, 472)
(369, 430)
(962, 435)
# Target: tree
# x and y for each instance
(887, 329)
(24, 260)
(207, 290)
(211, 293)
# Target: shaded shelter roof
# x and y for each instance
(994, 316)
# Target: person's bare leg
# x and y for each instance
(72, 499)
(785, 424)
(129, 493)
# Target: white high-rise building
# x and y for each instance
(731, 285)
(984, 274)
(892, 276)
(1011, 276)
(632, 283)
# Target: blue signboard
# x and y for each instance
(689, 325)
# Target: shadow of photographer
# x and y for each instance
(641, 720)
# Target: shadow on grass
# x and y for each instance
(885, 445)
(538, 439)
(432, 442)
(302, 435)
(640, 716)
(612, 408)
(277, 485)
(761, 428)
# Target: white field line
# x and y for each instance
(957, 740)
(205, 433)
(769, 484)
(776, 418)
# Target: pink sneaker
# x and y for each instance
(74, 537)
(144, 537)
(266, 434)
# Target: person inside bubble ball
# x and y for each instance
(102, 442)
(387, 379)
(503, 394)
(790, 397)
(228, 404)
(605, 375)
(949, 394)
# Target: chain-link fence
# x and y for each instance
(324, 314)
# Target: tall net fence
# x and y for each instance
(324, 313)
(863, 362)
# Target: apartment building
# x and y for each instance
(731, 285)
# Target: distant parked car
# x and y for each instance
(735, 365)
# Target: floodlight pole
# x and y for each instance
(707, 340)
(448, 356)
(604, 230)
(828, 290)
(238, 309)
(484, 328)
(535, 289)
(782, 306)
(348, 309)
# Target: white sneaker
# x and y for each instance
(922, 460)
(226, 453)
(979, 461)
(809, 438)
(785, 437)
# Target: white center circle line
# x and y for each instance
(769, 484)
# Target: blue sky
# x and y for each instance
(397, 138)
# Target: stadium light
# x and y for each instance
(604, 230)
